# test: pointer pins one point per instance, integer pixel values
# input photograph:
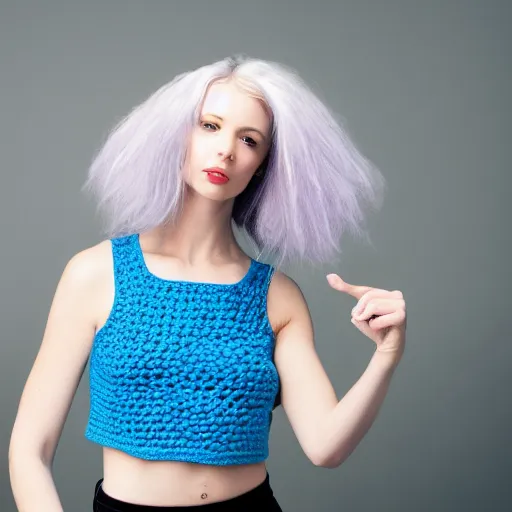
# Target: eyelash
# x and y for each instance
(251, 145)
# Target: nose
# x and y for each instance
(226, 148)
(226, 155)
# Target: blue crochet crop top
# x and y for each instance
(183, 370)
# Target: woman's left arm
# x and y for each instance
(329, 430)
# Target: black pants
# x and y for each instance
(260, 498)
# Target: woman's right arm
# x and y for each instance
(53, 381)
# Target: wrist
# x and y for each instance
(388, 359)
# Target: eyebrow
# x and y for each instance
(249, 128)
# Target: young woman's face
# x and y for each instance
(232, 134)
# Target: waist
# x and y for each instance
(173, 483)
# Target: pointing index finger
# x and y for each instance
(339, 284)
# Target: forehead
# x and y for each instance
(232, 103)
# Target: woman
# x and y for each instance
(193, 343)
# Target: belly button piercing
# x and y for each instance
(204, 496)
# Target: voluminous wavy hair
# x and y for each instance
(314, 185)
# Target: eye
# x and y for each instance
(209, 124)
(251, 142)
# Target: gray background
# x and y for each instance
(424, 88)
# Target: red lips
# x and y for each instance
(216, 175)
(217, 170)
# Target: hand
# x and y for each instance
(379, 314)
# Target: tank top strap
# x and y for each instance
(127, 269)
(264, 272)
(270, 270)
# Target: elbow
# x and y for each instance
(326, 456)
(21, 453)
(323, 456)
(13, 453)
(326, 461)
(17, 456)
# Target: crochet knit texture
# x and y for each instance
(183, 370)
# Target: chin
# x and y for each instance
(210, 191)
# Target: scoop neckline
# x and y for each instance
(140, 255)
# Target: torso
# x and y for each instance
(171, 483)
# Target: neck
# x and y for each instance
(201, 232)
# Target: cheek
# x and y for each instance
(192, 156)
(198, 150)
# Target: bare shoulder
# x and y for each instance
(286, 302)
(89, 263)
(91, 260)
(93, 267)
